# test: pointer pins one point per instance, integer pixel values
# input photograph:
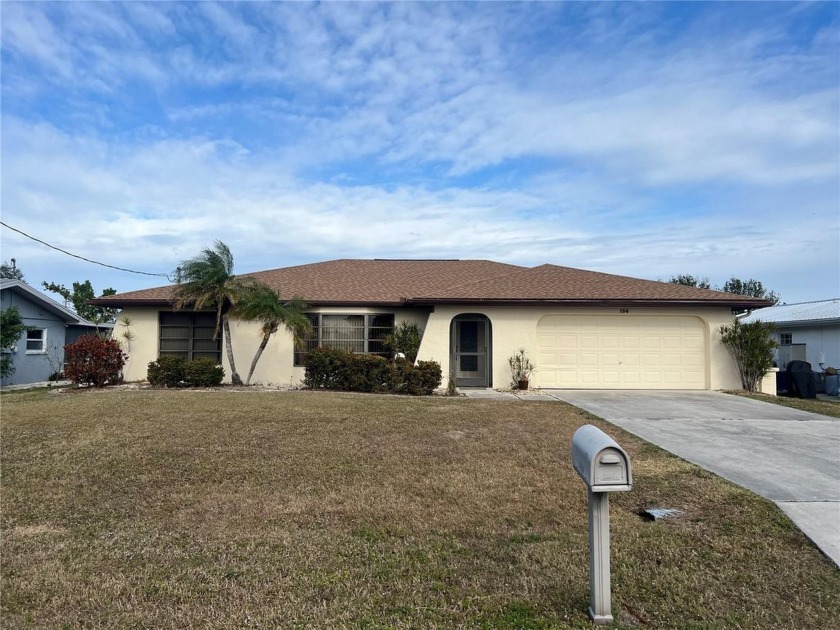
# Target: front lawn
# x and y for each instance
(245, 509)
(814, 405)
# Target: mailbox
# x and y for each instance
(600, 461)
(604, 467)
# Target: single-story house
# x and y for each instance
(807, 331)
(582, 329)
(39, 353)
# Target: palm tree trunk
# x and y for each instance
(257, 356)
(234, 377)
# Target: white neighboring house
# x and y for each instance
(808, 331)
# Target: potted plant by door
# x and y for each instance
(520, 369)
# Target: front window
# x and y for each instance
(189, 335)
(36, 341)
(786, 339)
(362, 334)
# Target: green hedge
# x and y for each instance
(330, 368)
(169, 371)
(203, 373)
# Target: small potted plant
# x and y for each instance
(520, 369)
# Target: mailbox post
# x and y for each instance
(604, 467)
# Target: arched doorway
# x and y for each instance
(470, 342)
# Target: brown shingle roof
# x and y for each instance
(550, 283)
(393, 282)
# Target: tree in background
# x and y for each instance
(207, 281)
(751, 345)
(11, 330)
(78, 298)
(690, 281)
(11, 271)
(751, 287)
(259, 302)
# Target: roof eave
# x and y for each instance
(129, 303)
(619, 302)
(805, 322)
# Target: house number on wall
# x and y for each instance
(624, 310)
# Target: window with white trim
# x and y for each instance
(36, 341)
(362, 334)
(785, 339)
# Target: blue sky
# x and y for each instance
(641, 139)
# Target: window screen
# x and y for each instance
(363, 334)
(189, 335)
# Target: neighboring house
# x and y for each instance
(808, 331)
(582, 329)
(39, 353)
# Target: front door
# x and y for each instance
(470, 351)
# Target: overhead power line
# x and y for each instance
(95, 262)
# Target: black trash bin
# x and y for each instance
(801, 379)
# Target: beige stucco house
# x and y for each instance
(583, 329)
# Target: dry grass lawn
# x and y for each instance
(243, 509)
(814, 405)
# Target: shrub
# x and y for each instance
(431, 376)
(330, 368)
(326, 368)
(520, 367)
(167, 371)
(203, 373)
(91, 360)
(451, 385)
(11, 330)
(752, 348)
(406, 338)
(366, 373)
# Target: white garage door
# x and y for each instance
(621, 352)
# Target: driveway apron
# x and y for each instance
(789, 456)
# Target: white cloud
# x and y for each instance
(614, 136)
(149, 205)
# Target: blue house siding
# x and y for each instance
(58, 324)
(30, 366)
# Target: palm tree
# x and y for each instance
(207, 281)
(261, 303)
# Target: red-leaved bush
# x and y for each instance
(91, 360)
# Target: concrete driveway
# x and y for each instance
(788, 456)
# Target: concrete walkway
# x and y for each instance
(789, 456)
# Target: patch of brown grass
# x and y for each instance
(829, 408)
(200, 509)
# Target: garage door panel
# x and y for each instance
(652, 380)
(609, 342)
(630, 360)
(651, 343)
(651, 361)
(588, 359)
(631, 342)
(695, 361)
(610, 360)
(632, 352)
(692, 343)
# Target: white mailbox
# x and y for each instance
(600, 461)
(604, 467)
